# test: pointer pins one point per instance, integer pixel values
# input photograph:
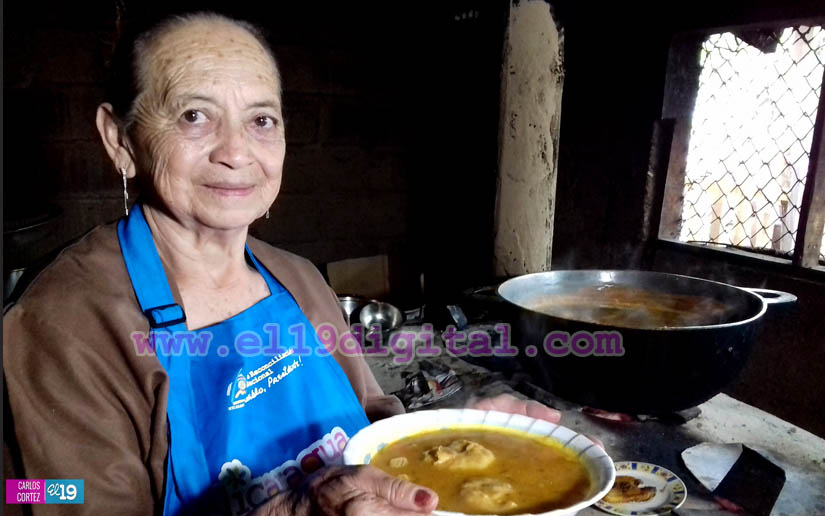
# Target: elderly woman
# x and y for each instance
(128, 360)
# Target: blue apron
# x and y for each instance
(255, 402)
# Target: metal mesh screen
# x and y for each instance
(751, 136)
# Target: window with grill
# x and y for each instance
(746, 162)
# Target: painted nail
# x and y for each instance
(422, 498)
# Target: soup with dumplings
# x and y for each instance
(489, 471)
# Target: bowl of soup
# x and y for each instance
(488, 462)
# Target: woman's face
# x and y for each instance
(208, 126)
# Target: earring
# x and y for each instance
(267, 213)
(125, 192)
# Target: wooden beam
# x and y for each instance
(812, 212)
(670, 224)
(660, 144)
(681, 89)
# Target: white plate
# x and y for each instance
(670, 490)
(366, 443)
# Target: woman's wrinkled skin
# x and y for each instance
(353, 491)
(512, 405)
(206, 140)
(208, 125)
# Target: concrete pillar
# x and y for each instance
(531, 85)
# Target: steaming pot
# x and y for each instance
(663, 366)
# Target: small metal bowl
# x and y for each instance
(385, 315)
(351, 307)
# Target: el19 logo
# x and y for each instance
(64, 490)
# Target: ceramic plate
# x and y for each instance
(365, 444)
(670, 490)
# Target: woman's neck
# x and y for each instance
(209, 258)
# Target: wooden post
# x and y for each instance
(670, 225)
(812, 212)
(660, 145)
(681, 88)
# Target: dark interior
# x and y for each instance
(392, 129)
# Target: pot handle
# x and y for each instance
(772, 297)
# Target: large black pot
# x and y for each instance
(660, 369)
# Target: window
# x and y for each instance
(744, 158)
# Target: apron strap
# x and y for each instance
(154, 295)
(145, 269)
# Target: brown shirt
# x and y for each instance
(84, 405)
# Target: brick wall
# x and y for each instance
(52, 154)
(392, 122)
(344, 190)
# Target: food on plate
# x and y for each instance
(398, 462)
(489, 494)
(483, 470)
(629, 489)
(460, 454)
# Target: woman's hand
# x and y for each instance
(352, 491)
(512, 405)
